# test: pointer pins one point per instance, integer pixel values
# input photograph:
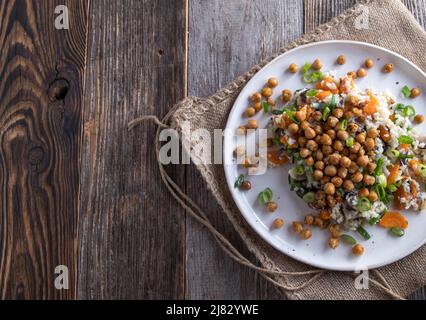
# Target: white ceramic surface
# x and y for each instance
(382, 248)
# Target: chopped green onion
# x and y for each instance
(306, 67)
(392, 154)
(239, 181)
(399, 107)
(399, 232)
(277, 112)
(381, 180)
(406, 91)
(309, 197)
(421, 168)
(379, 168)
(406, 156)
(373, 221)
(350, 142)
(311, 93)
(409, 111)
(405, 139)
(325, 113)
(300, 170)
(363, 233)
(265, 196)
(265, 106)
(392, 188)
(333, 102)
(363, 204)
(291, 116)
(276, 141)
(380, 190)
(348, 239)
(343, 124)
(312, 77)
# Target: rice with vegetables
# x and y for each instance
(355, 155)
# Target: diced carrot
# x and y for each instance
(277, 158)
(345, 83)
(413, 189)
(321, 95)
(325, 85)
(404, 146)
(393, 174)
(393, 220)
(399, 194)
(371, 106)
(384, 134)
(283, 140)
(392, 117)
(412, 163)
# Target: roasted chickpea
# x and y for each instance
(335, 231)
(345, 162)
(241, 130)
(369, 63)
(310, 133)
(256, 97)
(318, 175)
(306, 234)
(415, 92)
(358, 249)
(348, 185)
(326, 140)
(300, 115)
(252, 124)
(371, 166)
(419, 118)
(310, 161)
(363, 161)
(319, 195)
(361, 152)
(357, 177)
(369, 180)
(334, 159)
(353, 167)
(304, 153)
(357, 112)
(278, 223)
(272, 82)
(301, 141)
(271, 102)
(342, 172)
(342, 135)
(369, 143)
(338, 113)
(266, 92)
(333, 243)
(292, 68)
(304, 125)
(373, 196)
(337, 181)
(246, 185)
(325, 214)
(352, 127)
(325, 180)
(341, 59)
(293, 128)
(326, 150)
(364, 192)
(388, 68)
(309, 219)
(332, 121)
(361, 73)
(317, 115)
(250, 112)
(257, 106)
(271, 206)
(332, 134)
(360, 137)
(330, 170)
(297, 227)
(319, 222)
(338, 145)
(319, 165)
(318, 129)
(319, 155)
(355, 148)
(316, 65)
(286, 95)
(372, 133)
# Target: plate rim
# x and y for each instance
(228, 168)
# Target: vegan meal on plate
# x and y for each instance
(354, 156)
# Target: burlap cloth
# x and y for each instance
(391, 26)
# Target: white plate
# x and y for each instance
(382, 248)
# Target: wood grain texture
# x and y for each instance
(131, 232)
(41, 85)
(225, 39)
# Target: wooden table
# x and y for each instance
(78, 189)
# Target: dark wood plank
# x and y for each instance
(227, 38)
(41, 85)
(131, 233)
(320, 11)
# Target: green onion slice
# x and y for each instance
(300, 170)
(405, 139)
(265, 106)
(309, 197)
(350, 142)
(343, 124)
(239, 181)
(291, 116)
(325, 113)
(409, 111)
(406, 91)
(265, 196)
(364, 204)
(348, 239)
(363, 233)
(311, 93)
(399, 232)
